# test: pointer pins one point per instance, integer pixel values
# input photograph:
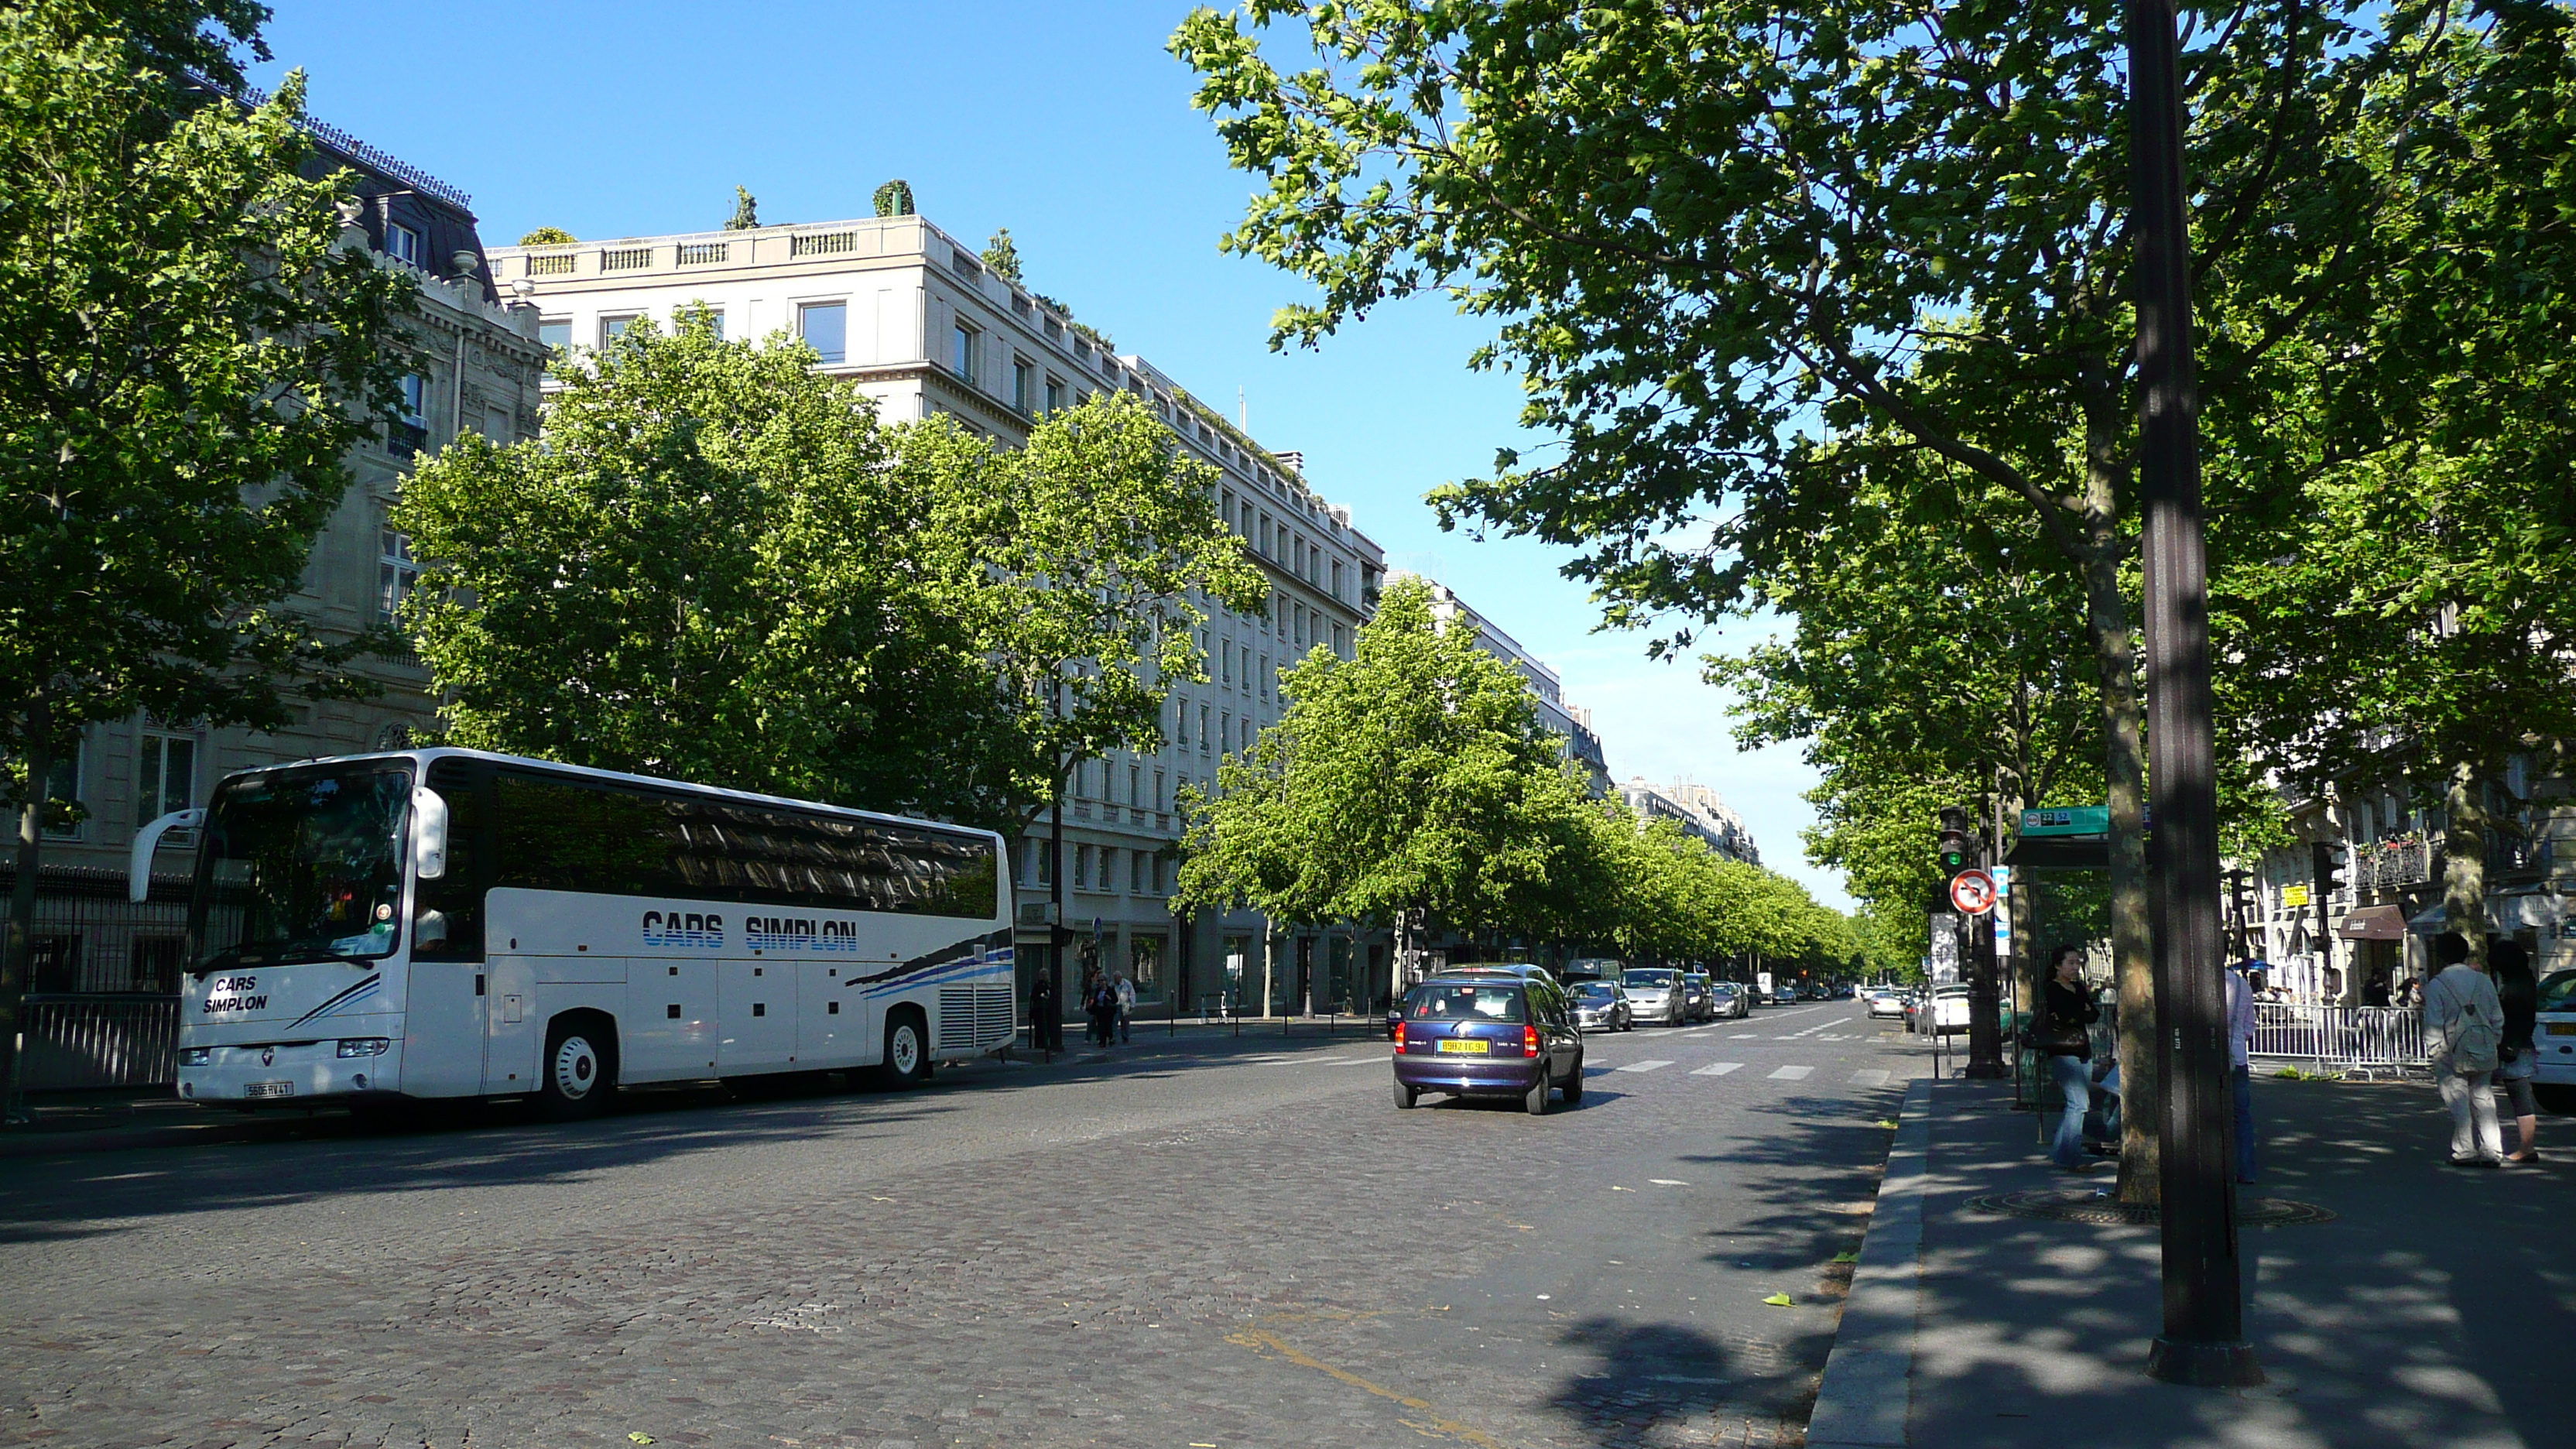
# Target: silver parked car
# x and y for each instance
(1657, 994)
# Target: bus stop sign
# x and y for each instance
(1973, 892)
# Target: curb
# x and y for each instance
(1867, 1388)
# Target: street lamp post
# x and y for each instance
(2203, 1342)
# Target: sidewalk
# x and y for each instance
(118, 1121)
(2437, 1309)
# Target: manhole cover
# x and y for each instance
(2086, 1207)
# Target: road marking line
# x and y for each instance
(1716, 1069)
(1870, 1078)
(1810, 1031)
(1355, 1061)
(1645, 1066)
(1748, 1036)
(1271, 1344)
(1667, 1182)
(1791, 1074)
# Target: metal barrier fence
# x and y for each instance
(2350, 1040)
(100, 1039)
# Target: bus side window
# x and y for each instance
(456, 898)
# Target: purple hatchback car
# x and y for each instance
(1498, 1034)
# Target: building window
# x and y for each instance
(1341, 641)
(396, 573)
(613, 326)
(402, 243)
(1136, 787)
(409, 431)
(1265, 538)
(1082, 867)
(1024, 384)
(1162, 792)
(1225, 663)
(1337, 578)
(1203, 729)
(1054, 395)
(167, 778)
(825, 326)
(714, 317)
(962, 354)
(1140, 872)
(554, 334)
(63, 787)
(1265, 678)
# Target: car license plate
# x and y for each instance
(268, 1089)
(2562, 1028)
(1471, 1045)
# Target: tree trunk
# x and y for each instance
(2124, 779)
(2464, 858)
(18, 956)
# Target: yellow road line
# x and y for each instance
(1261, 1342)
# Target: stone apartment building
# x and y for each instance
(923, 327)
(481, 367)
(1699, 811)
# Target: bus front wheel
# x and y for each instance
(579, 1073)
(907, 1049)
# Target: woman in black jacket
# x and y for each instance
(2066, 1011)
(2517, 1061)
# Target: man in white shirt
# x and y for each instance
(2240, 1037)
(1126, 1007)
(2461, 1012)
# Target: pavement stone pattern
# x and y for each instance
(1238, 1251)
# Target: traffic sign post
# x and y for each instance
(1972, 892)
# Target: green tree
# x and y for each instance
(1784, 229)
(2407, 602)
(1080, 563)
(1003, 257)
(705, 569)
(746, 212)
(192, 352)
(548, 236)
(1410, 786)
(894, 198)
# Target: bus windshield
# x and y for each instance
(301, 865)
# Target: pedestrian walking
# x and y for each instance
(2240, 1075)
(1104, 1011)
(2464, 1026)
(1046, 1014)
(2517, 1059)
(2067, 1013)
(1126, 1008)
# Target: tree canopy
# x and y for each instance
(193, 350)
(719, 565)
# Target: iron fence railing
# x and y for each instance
(2346, 1040)
(102, 1039)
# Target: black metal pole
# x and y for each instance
(2204, 1331)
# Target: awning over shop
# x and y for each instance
(2524, 910)
(2373, 923)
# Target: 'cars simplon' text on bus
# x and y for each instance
(450, 923)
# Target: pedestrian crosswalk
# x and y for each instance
(1791, 1074)
(1716, 1069)
(1648, 1065)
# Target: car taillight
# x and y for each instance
(1399, 1036)
(1529, 1040)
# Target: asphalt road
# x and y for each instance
(1230, 1244)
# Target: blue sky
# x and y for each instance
(1070, 125)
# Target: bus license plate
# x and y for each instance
(268, 1089)
(1473, 1045)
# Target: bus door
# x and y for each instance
(756, 1005)
(443, 1029)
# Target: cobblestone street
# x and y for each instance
(1228, 1244)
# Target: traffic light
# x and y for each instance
(1958, 848)
(2325, 868)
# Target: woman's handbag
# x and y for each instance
(2059, 1038)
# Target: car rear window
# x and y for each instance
(1455, 1001)
(2558, 993)
(1649, 978)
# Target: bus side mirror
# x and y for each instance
(428, 833)
(138, 866)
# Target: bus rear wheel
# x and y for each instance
(907, 1048)
(579, 1073)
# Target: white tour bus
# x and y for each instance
(450, 923)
